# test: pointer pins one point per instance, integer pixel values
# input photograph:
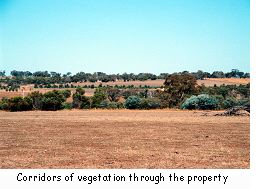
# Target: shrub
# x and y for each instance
(191, 103)
(201, 102)
(80, 101)
(36, 97)
(80, 90)
(150, 103)
(229, 102)
(244, 102)
(106, 104)
(133, 102)
(119, 105)
(86, 103)
(98, 97)
(163, 98)
(127, 93)
(65, 93)
(4, 104)
(113, 94)
(53, 100)
(220, 100)
(19, 104)
(67, 105)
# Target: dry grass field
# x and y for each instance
(123, 139)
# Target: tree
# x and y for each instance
(53, 100)
(65, 93)
(133, 102)
(98, 97)
(80, 101)
(217, 74)
(19, 104)
(36, 98)
(200, 74)
(150, 103)
(80, 91)
(2, 73)
(125, 77)
(113, 94)
(179, 85)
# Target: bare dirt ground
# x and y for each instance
(123, 139)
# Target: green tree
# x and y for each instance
(19, 104)
(53, 100)
(133, 102)
(178, 86)
(98, 97)
(36, 98)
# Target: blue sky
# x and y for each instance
(116, 36)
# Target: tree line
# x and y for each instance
(45, 77)
(179, 91)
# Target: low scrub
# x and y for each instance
(201, 102)
(133, 102)
(150, 103)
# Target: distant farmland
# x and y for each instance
(159, 82)
(153, 83)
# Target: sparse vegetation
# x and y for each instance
(180, 90)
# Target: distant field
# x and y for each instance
(159, 82)
(221, 81)
(123, 139)
(153, 83)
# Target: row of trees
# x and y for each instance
(52, 100)
(61, 86)
(45, 77)
(180, 91)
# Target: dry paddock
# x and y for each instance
(123, 139)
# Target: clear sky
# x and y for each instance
(116, 36)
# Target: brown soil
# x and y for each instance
(123, 139)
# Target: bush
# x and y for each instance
(244, 102)
(4, 104)
(220, 100)
(133, 102)
(201, 102)
(106, 104)
(80, 90)
(36, 97)
(80, 101)
(53, 100)
(229, 103)
(65, 93)
(19, 104)
(163, 97)
(113, 94)
(150, 103)
(99, 96)
(67, 105)
(86, 103)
